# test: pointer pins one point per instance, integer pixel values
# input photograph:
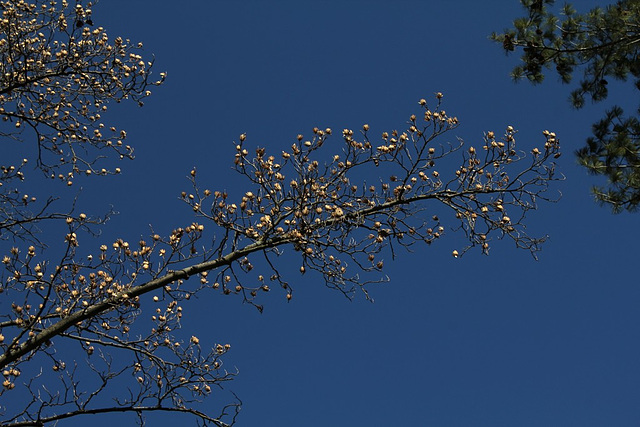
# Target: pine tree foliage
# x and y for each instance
(602, 44)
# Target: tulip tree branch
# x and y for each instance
(123, 306)
(97, 331)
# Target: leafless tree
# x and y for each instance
(94, 331)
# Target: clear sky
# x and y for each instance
(498, 340)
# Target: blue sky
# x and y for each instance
(501, 340)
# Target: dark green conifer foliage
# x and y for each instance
(603, 44)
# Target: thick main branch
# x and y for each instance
(108, 304)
